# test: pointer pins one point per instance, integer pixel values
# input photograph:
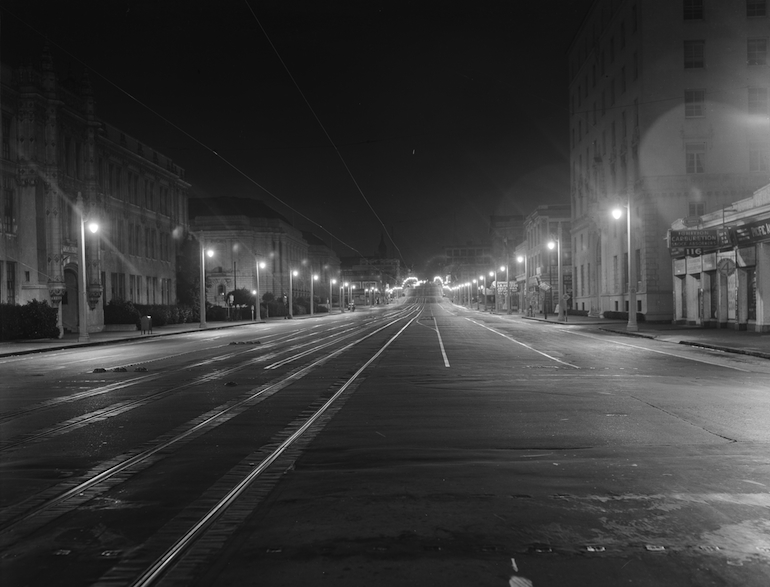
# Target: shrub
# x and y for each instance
(33, 320)
(120, 312)
(622, 316)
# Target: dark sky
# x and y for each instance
(438, 114)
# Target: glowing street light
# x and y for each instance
(332, 283)
(632, 324)
(259, 265)
(93, 227)
(525, 291)
(559, 300)
(312, 279)
(292, 274)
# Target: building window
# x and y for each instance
(696, 208)
(6, 137)
(9, 211)
(759, 157)
(10, 282)
(693, 9)
(694, 103)
(758, 101)
(756, 52)
(696, 154)
(756, 7)
(694, 54)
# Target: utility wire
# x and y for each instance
(181, 130)
(323, 128)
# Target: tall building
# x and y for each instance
(668, 119)
(60, 165)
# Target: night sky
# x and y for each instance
(413, 119)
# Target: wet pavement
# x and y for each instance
(724, 339)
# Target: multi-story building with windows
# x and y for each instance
(537, 275)
(60, 164)
(668, 118)
(244, 234)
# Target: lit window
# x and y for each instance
(696, 208)
(694, 54)
(694, 102)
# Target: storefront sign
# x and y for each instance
(753, 232)
(699, 239)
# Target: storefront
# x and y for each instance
(721, 266)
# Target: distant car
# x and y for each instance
(352, 306)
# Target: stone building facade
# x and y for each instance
(668, 119)
(61, 164)
(244, 234)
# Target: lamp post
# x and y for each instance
(497, 304)
(312, 279)
(343, 291)
(82, 312)
(202, 301)
(483, 284)
(559, 300)
(332, 283)
(617, 213)
(525, 292)
(476, 287)
(292, 274)
(259, 265)
(507, 288)
(350, 296)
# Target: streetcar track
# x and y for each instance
(20, 519)
(198, 530)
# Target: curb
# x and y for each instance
(139, 338)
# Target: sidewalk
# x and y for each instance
(723, 339)
(26, 347)
(727, 340)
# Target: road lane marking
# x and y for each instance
(633, 346)
(523, 344)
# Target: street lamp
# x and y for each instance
(616, 214)
(483, 285)
(259, 265)
(343, 290)
(525, 292)
(332, 283)
(559, 300)
(93, 227)
(292, 274)
(476, 287)
(312, 279)
(507, 287)
(202, 301)
(494, 274)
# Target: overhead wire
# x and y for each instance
(184, 132)
(323, 128)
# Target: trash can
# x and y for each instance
(146, 322)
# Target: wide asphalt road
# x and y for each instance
(411, 444)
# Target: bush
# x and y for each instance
(622, 316)
(121, 312)
(33, 320)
